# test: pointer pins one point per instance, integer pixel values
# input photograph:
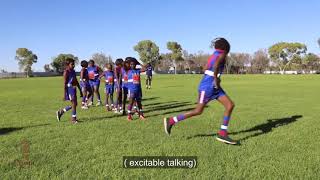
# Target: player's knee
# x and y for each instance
(230, 106)
(197, 112)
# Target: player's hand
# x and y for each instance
(217, 83)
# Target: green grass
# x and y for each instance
(93, 149)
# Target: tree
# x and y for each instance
(260, 61)
(148, 51)
(201, 59)
(176, 53)
(101, 59)
(283, 53)
(311, 62)
(237, 62)
(59, 62)
(189, 60)
(25, 59)
(47, 68)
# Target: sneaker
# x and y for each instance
(84, 107)
(142, 117)
(59, 113)
(129, 117)
(74, 121)
(98, 103)
(167, 126)
(226, 139)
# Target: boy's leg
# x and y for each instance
(223, 133)
(92, 90)
(141, 115)
(120, 99)
(96, 90)
(74, 111)
(107, 102)
(60, 112)
(130, 108)
(147, 82)
(125, 94)
(111, 100)
(169, 122)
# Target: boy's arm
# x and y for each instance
(65, 75)
(216, 70)
(143, 68)
(100, 70)
(81, 75)
(101, 75)
(78, 85)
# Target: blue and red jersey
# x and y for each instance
(85, 76)
(208, 80)
(134, 80)
(93, 72)
(125, 78)
(109, 77)
(71, 78)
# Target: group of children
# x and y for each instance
(123, 79)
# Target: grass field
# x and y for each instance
(276, 118)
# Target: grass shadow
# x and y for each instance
(260, 129)
(4, 131)
(167, 106)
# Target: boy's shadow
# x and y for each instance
(261, 128)
(8, 130)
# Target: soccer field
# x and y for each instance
(276, 118)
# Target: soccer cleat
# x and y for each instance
(90, 103)
(167, 126)
(226, 139)
(74, 121)
(98, 103)
(84, 107)
(59, 113)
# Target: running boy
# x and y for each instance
(135, 91)
(70, 91)
(210, 89)
(94, 73)
(109, 79)
(84, 84)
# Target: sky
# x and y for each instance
(84, 27)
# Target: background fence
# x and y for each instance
(23, 75)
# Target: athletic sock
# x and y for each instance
(67, 108)
(224, 127)
(176, 119)
(129, 109)
(74, 114)
(84, 99)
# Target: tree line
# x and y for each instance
(279, 57)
